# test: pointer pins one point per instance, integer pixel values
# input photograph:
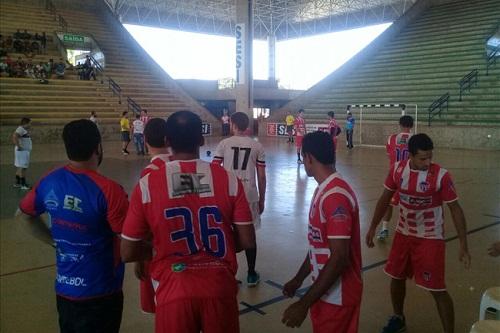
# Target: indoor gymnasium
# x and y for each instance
(136, 199)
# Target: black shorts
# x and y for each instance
(97, 315)
(289, 129)
(125, 136)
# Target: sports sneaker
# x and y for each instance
(383, 234)
(396, 324)
(124, 152)
(16, 185)
(253, 279)
(25, 187)
(299, 161)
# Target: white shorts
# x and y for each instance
(22, 159)
(254, 208)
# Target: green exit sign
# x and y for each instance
(73, 38)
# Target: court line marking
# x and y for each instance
(301, 291)
(27, 270)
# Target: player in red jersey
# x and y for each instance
(198, 215)
(418, 249)
(155, 137)
(397, 150)
(334, 256)
(333, 129)
(299, 125)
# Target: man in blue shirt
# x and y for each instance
(86, 211)
(349, 128)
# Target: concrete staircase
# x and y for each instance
(51, 105)
(424, 61)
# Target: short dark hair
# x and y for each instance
(420, 142)
(137, 116)
(184, 132)
(81, 139)
(406, 121)
(240, 119)
(25, 120)
(320, 145)
(124, 113)
(301, 110)
(155, 132)
(331, 114)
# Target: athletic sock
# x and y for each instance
(18, 179)
(23, 181)
(298, 156)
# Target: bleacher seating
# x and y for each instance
(424, 61)
(62, 100)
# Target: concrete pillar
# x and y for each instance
(244, 75)
(271, 45)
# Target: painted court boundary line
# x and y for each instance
(300, 292)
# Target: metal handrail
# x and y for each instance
(468, 81)
(115, 88)
(62, 22)
(131, 104)
(438, 104)
(492, 59)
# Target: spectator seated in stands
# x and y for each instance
(18, 69)
(4, 68)
(26, 35)
(3, 51)
(49, 68)
(35, 47)
(18, 35)
(9, 44)
(18, 46)
(40, 71)
(60, 68)
(30, 69)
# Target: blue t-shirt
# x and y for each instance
(87, 211)
(349, 124)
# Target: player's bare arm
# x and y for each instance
(261, 183)
(15, 139)
(135, 250)
(36, 226)
(382, 204)
(458, 217)
(291, 286)
(295, 314)
(244, 236)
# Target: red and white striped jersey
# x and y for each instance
(332, 129)
(334, 214)
(300, 126)
(189, 208)
(156, 163)
(242, 155)
(421, 198)
(397, 147)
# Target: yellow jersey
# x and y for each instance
(289, 120)
(125, 125)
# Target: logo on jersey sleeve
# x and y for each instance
(340, 214)
(51, 201)
(189, 183)
(72, 203)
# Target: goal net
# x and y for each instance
(375, 122)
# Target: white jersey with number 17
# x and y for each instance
(242, 155)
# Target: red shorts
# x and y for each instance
(146, 291)
(395, 199)
(419, 257)
(210, 315)
(298, 141)
(329, 318)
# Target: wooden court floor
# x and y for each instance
(27, 267)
